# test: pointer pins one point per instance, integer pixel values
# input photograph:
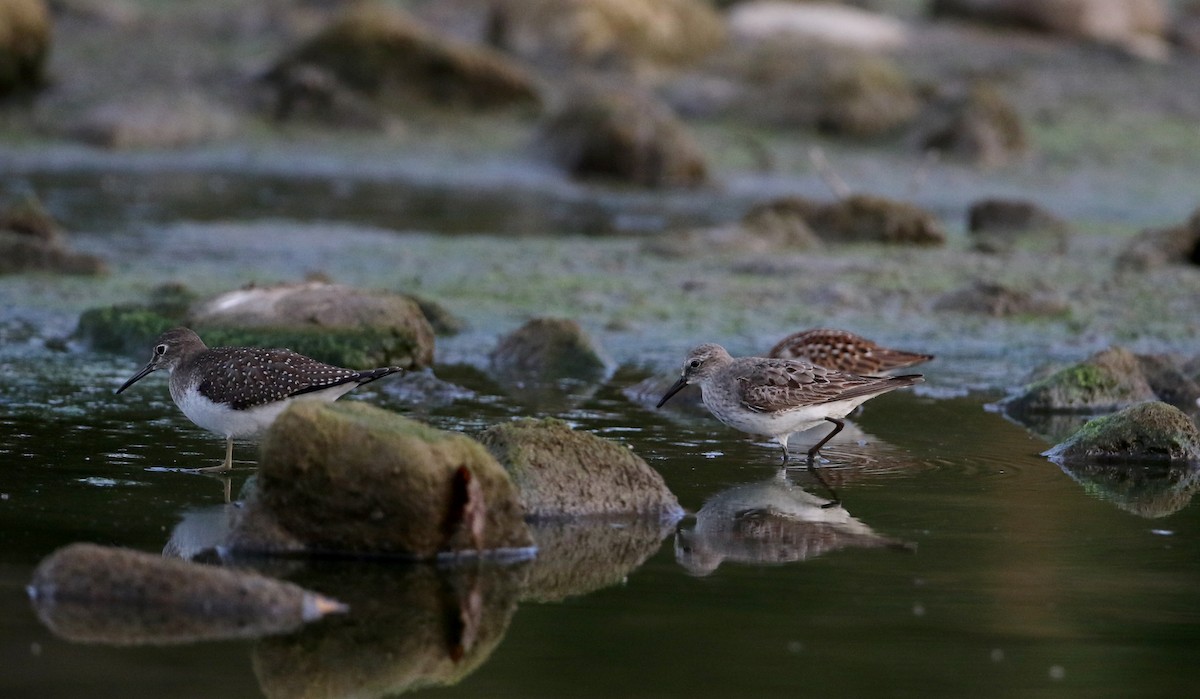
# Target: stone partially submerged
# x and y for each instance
(1147, 431)
(1107, 380)
(98, 594)
(560, 472)
(348, 478)
(545, 350)
(32, 241)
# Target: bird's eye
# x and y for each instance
(160, 350)
(694, 364)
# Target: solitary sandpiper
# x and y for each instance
(238, 391)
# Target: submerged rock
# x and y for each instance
(97, 594)
(623, 135)
(547, 349)
(382, 53)
(25, 37)
(563, 473)
(1150, 430)
(350, 478)
(32, 241)
(1107, 380)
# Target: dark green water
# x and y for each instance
(1014, 579)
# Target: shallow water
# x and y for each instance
(962, 564)
(971, 565)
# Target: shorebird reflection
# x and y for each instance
(771, 522)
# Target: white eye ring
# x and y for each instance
(694, 364)
(160, 350)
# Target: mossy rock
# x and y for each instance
(1108, 380)
(563, 473)
(25, 37)
(128, 329)
(868, 99)
(545, 350)
(1152, 430)
(350, 478)
(381, 52)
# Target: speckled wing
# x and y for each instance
(769, 387)
(245, 377)
(844, 351)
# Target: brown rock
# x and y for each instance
(547, 349)
(1000, 301)
(623, 135)
(997, 225)
(32, 241)
(862, 218)
(25, 35)
(981, 127)
(1162, 246)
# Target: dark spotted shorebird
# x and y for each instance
(844, 351)
(238, 391)
(778, 397)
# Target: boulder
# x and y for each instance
(1151, 430)
(606, 32)
(353, 479)
(98, 594)
(25, 37)
(998, 225)
(1000, 301)
(563, 473)
(1157, 247)
(331, 322)
(1136, 26)
(545, 350)
(624, 135)
(383, 54)
(31, 241)
(1170, 380)
(1107, 380)
(863, 218)
(981, 127)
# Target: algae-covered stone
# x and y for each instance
(381, 52)
(547, 349)
(99, 594)
(563, 473)
(352, 478)
(331, 322)
(1150, 430)
(1107, 380)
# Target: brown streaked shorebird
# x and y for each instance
(778, 397)
(239, 391)
(844, 351)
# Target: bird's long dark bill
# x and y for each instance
(137, 377)
(672, 391)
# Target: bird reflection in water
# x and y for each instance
(771, 522)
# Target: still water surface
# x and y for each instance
(965, 565)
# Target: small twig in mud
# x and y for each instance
(836, 184)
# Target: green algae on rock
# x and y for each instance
(1107, 380)
(563, 473)
(1150, 430)
(98, 594)
(349, 478)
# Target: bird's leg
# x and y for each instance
(812, 457)
(838, 425)
(783, 444)
(821, 479)
(228, 459)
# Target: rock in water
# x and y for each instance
(1152, 430)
